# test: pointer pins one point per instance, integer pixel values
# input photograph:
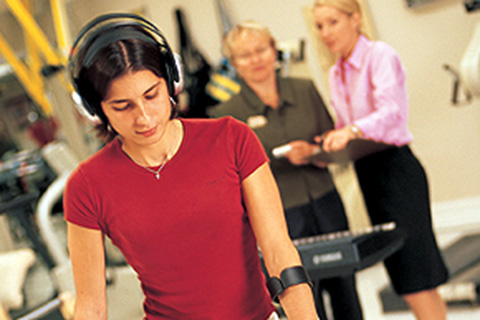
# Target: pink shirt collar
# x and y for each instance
(358, 55)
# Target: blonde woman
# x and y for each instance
(369, 95)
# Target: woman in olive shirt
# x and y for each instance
(290, 111)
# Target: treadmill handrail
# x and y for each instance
(43, 216)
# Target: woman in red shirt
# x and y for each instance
(185, 200)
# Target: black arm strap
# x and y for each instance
(288, 277)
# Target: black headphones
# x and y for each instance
(109, 28)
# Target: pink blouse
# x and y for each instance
(373, 94)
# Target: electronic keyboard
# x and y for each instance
(345, 252)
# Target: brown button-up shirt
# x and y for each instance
(301, 115)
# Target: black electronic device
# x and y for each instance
(345, 252)
(472, 5)
(355, 150)
(417, 3)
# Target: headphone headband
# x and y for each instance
(105, 39)
(111, 16)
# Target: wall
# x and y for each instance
(446, 136)
(426, 37)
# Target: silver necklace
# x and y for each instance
(157, 172)
(167, 157)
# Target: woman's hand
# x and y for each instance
(338, 139)
(301, 149)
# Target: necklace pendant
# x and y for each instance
(157, 175)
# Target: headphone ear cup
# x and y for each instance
(83, 89)
(84, 109)
(80, 92)
(179, 84)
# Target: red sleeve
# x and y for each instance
(78, 202)
(249, 152)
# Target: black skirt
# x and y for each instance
(395, 188)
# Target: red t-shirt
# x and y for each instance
(187, 235)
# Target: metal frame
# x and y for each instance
(37, 44)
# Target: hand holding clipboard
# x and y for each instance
(354, 150)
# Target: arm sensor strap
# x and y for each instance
(288, 277)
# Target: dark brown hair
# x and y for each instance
(112, 62)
